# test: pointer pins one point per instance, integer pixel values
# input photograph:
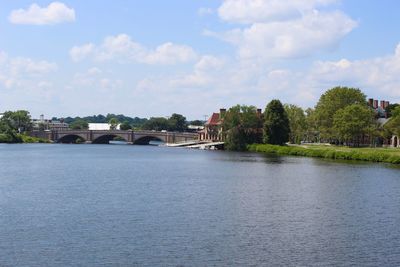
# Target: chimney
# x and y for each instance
(375, 104)
(383, 104)
(387, 103)
(371, 102)
(222, 112)
(259, 112)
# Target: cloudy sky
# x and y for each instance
(153, 58)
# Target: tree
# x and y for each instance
(125, 126)
(197, 123)
(156, 124)
(312, 133)
(79, 124)
(241, 126)
(113, 123)
(19, 120)
(297, 123)
(177, 122)
(353, 122)
(332, 101)
(389, 109)
(276, 124)
(392, 127)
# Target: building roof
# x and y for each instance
(213, 120)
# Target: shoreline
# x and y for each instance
(382, 155)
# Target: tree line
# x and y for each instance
(175, 122)
(342, 116)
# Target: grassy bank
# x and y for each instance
(20, 138)
(386, 155)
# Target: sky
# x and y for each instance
(154, 58)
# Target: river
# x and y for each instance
(124, 205)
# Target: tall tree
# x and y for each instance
(177, 122)
(297, 123)
(276, 124)
(241, 126)
(353, 122)
(330, 102)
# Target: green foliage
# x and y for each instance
(330, 102)
(197, 123)
(389, 109)
(392, 127)
(134, 122)
(79, 125)
(113, 123)
(352, 122)
(156, 124)
(19, 121)
(177, 123)
(276, 124)
(125, 126)
(241, 126)
(375, 155)
(312, 133)
(297, 123)
(12, 123)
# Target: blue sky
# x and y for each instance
(153, 58)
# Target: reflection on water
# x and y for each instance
(102, 205)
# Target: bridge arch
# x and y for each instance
(147, 140)
(106, 138)
(71, 139)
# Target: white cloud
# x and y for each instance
(282, 29)
(94, 78)
(378, 76)
(257, 11)
(55, 12)
(20, 72)
(122, 48)
(78, 53)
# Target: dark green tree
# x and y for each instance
(125, 126)
(389, 109)
(156, 124)
(241, 126)
(79, 124)
(177, 122)
(276, 124)
(330, 102)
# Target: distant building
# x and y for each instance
(101, 126)
(43, 124)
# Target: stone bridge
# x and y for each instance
(105, 136)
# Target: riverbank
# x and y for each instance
(386, 155)
(21, 138)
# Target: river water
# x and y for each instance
(123, 205)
